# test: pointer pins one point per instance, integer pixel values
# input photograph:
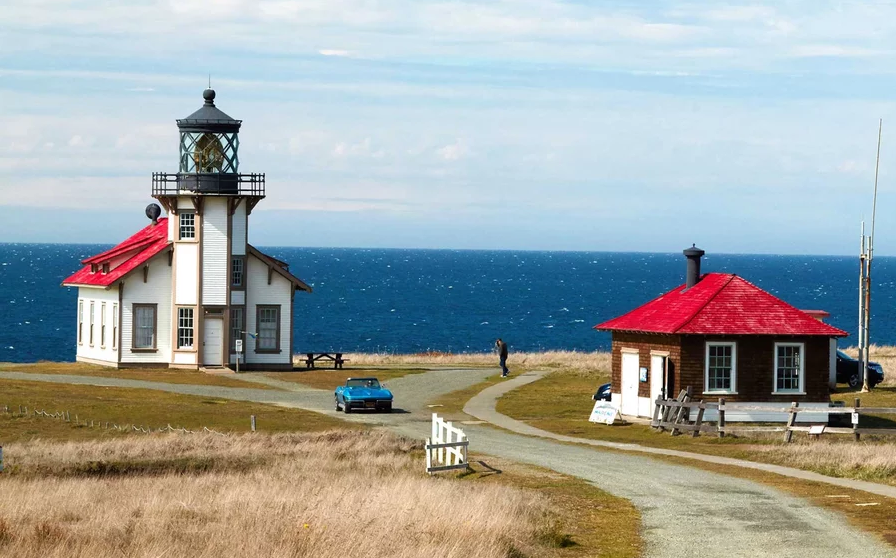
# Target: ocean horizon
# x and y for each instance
(396, 300)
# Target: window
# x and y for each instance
(114, 326)
(144, 326)
(187, 225)
(720, 368)
(80, 322)
(236, 327)
(184, 328)
(91, 323)
(236, 272)
(103, 325)
(268, 329)
(789, 367)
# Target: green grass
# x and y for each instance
(138, 407)
(330, 379)
(451, 405)
(164, 375)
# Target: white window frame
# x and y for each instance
(80, 322)
(102, 325)
(237, 261)
(802, 373)
(114, 326)
(733, 345)
(190, 227)
(186, 315)
(91, 318)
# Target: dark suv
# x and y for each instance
(848, 371)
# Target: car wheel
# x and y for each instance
(345, 408)
(855, 380)
(337, 405)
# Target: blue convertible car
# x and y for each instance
(363, 393)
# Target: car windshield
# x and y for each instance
(841, 354)
(363, 382)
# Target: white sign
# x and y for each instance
(604, 412)
(816, 430)
(855, 418)
(238, 343)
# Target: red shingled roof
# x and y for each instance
(720, 304)
(137, 249)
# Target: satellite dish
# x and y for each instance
(153, 211)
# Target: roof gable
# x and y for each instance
(720, 304)
(132, 253)
(279, 267)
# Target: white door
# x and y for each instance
(630, 363)
(657, 374)
(213, 342)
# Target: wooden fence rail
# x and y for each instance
(674, 415)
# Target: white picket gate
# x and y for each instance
(447, 449)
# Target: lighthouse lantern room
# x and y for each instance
(183, 290)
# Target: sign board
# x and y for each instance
(604, 412)
(238, 344)
(643, 374)
(816, 430)
(855, 418)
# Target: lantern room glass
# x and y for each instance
(209, 152)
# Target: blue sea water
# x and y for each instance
(405, 301)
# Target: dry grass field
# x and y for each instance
(332, 494)
(328, 378)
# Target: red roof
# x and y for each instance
(136, 249)
(720, 304)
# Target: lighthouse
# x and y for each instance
(188, 290)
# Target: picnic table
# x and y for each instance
(312, 358)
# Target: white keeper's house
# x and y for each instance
(181, 292)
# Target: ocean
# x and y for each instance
(408, 301)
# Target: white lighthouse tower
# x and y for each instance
(217, 288)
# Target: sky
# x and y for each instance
(508, 124)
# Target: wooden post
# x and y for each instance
(679, 416)
(699, 420)
(721, 417)
(656, 413)
(252, 421)
(855, 427)
(788, 433)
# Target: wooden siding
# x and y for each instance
(644, 343)
(239, 232)
(214, 252)
(156, 290)
(186, 257)
(260, 293)
(755, 365)
(99, 353)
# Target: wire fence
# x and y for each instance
(66, 416)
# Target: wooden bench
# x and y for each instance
(312, 358)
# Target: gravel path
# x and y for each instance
(685, 511)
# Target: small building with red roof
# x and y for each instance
(722, 337)
(188, 290)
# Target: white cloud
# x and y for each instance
(334, 52)
(454, 151)
(823, 50)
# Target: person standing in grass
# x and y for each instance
(501, 347)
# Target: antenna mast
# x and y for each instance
(865, 260)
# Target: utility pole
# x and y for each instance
(861, 340)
